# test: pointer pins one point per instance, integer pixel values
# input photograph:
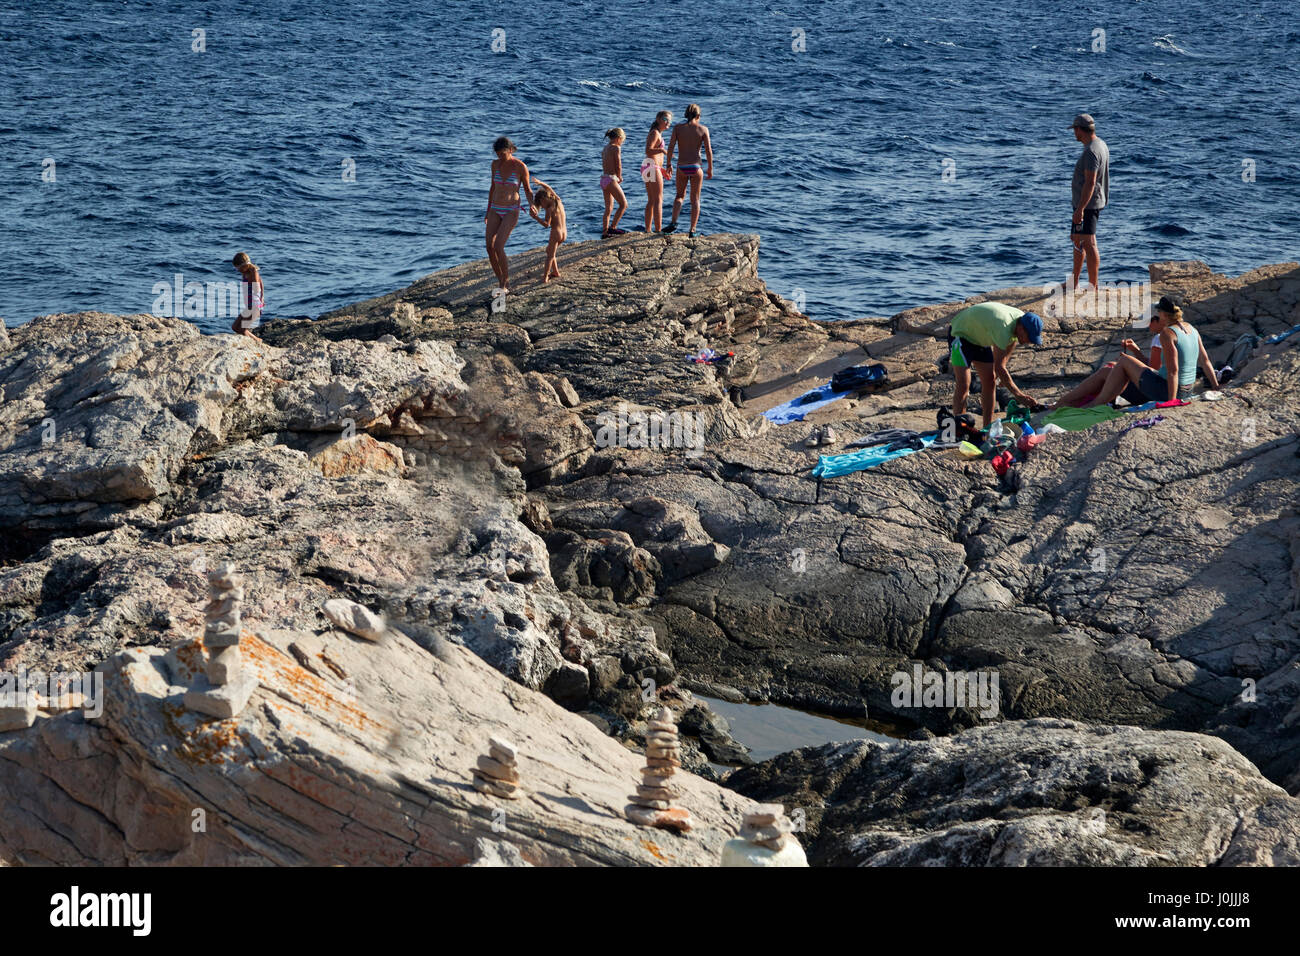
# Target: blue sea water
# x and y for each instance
(167, 160)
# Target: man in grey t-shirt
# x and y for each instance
(1089, 191)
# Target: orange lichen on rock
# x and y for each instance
(209, 741)
(361, 453)
(288, 677)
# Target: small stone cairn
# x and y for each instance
(228, 685)
(652, 804)
(496, 772)
(765, 840)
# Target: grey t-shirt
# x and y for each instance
(1095, 156)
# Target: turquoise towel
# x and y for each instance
(832, 466)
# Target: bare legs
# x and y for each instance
(499, 228)
(242, 325)
(1085, 247)
(961, 390)
(613, 192)
(696, 180)
(1090, 386)
(654, 207)
(988, 396)
(551, 269)
(1127, 369)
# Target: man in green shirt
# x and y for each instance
(983, 337)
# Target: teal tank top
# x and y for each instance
(1188, 344)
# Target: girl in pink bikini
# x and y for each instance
(652, 174)
(611, 163)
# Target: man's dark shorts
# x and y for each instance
(961, 353)
(1089, 225)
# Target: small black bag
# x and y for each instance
(858, 377)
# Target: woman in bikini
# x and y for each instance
(508, 176)
(611, 164)
(689, 139)
(652, 174)
(252, 296)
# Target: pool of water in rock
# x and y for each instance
(771, 729)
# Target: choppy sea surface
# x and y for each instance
(133, 148)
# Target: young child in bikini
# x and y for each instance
(252, 298)
(549, 201)
(611, 164)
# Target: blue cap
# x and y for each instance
(1033, 324)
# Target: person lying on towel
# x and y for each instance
(983, 337)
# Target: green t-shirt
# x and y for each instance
(987, 324)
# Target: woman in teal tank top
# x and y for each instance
(1187, 343)
(1181, 350)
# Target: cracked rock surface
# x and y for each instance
(1039, 792)
(446, 467)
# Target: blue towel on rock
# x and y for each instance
(1282, 336)
(832, 466)
(795, 409)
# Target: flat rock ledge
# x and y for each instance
(1034, 793)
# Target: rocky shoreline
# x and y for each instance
(460, 472)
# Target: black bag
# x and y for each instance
(858, 377)
(962, 429)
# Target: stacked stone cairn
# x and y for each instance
(765, 840)
(652, 804)
(497, 773)
(225, 689)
